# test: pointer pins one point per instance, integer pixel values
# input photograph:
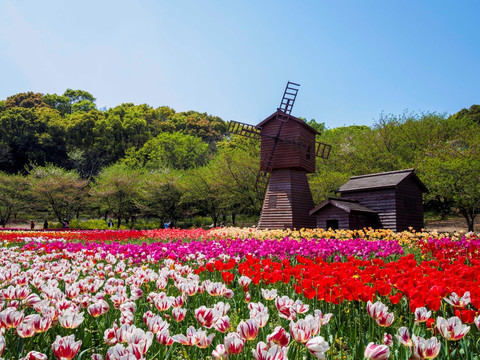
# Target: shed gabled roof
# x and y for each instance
(346, 205)
(274, 115)
(380, 180)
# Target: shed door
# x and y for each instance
(332, 223)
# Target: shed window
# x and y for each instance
(333, 224)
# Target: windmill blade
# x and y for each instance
(247, 130)
(323, 150)
(261, 183)
(289, 96)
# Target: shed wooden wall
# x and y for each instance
(330, 212)
(383, 201)
(288, 155)
(409, 205)
(362, 220)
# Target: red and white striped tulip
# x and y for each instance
(376, 352)
(66, 348)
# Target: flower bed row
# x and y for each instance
(239, 299)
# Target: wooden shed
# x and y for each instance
(336, 213)
(395, 196)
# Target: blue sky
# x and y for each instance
(354, 59)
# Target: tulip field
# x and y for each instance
(233, 293)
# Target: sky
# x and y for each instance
(354, 60)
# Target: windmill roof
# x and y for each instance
(380, 180)
(274, 115)
(348, 206)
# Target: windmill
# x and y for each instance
(288, 151)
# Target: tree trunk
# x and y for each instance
(119, 221)
(233, 219)
(469, 215)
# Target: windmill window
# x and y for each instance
(309, 150)
(272, 202)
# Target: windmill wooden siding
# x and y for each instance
(292, 155)
(396, 197)
(288, 201)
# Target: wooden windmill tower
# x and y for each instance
(287, 154)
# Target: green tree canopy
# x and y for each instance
(171, 151)
(63, 191)
(117, 189)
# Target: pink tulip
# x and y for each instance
(206, 316)
(99, 308)
(220, 353)
(452, 329)
(163, 337)
(25, 330)
(66, 348)
(323, 318)
(97, 357)
(387, 339)
(222, 324)
(477, 321)
(376, 352)
(2, 344)
(233, 343)
(35, 355)
(269, 294)
(422, 315)
(70, 320)
(301, 330)
(179, 313)
(376, 310)
(425, 349)
(10, 318)
(317, 346)
(457, 301)
(190, 339)
(156, 324)
(385, 319)
(279, 337)
(286, 308)
(204, 340)
(248, 330)
(274, 352)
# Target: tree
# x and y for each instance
(117, 189)
(25, 100)
(450, 169)
(61, 190)
(171, 151)
(202, 194)
(161, 195)
(235, 168)
(473, 114)
(14, 196)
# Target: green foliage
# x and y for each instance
(25, 100)
(14, 196)
(63, 191)
(451, 168)
(169, 151)
(161, 195)
(117, 190)
(473, 114)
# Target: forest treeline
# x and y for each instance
(62, 157)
